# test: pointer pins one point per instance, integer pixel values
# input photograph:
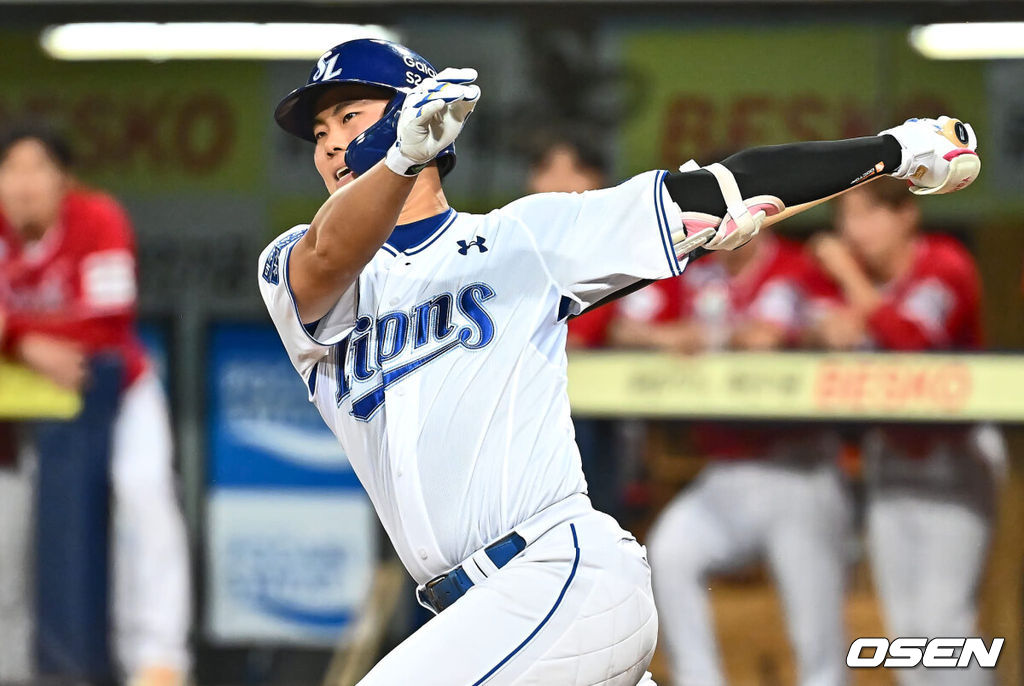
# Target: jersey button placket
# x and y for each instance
(391, 288)
(401, 412)
(402, 270)
(402, 403)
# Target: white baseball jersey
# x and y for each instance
(442, 371)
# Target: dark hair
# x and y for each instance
(588, 154)
(888, 192)
(57, 145)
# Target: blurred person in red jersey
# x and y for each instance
(771, 492)
(68, 295)
(563, 162)
(930, 488)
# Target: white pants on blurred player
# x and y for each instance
(17, 623)
(152, 598)
(929, 525)
(151, 594)
(796, 518)
(573, 609)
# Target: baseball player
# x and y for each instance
(770, 491)
(432, 342)
(68, 293)
(931, 489)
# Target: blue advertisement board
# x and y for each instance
(291, 535)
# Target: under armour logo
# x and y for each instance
(464, 246)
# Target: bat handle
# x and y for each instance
(684, 244)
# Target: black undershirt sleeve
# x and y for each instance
(795, 173)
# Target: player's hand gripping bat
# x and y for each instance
(939, 156)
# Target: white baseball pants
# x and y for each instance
(151, 595)
(797, 520)
(573, 609)
(929, 524)
(17, 620)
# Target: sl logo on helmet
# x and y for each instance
(325, 68)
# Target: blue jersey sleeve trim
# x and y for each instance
(663, 225)
(561, 596)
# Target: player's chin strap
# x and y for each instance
(742, 220)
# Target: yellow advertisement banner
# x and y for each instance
(905, 387)
(27, 395)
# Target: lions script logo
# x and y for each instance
(384, 350)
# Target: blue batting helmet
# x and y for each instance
(370, 62)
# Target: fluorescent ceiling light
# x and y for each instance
(195, 40)
(969, 40)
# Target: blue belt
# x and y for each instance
(440, 592)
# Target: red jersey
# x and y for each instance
(78, 282)
(590, 329)
(936, 305)
(781, 286)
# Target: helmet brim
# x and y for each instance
(295, 112)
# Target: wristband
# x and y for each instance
(400, 164)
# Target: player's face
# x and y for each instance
(875, 232)
(561, 172)
(32, 186)
(342, 114)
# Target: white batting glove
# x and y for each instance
(432, 116)
(939, 155)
